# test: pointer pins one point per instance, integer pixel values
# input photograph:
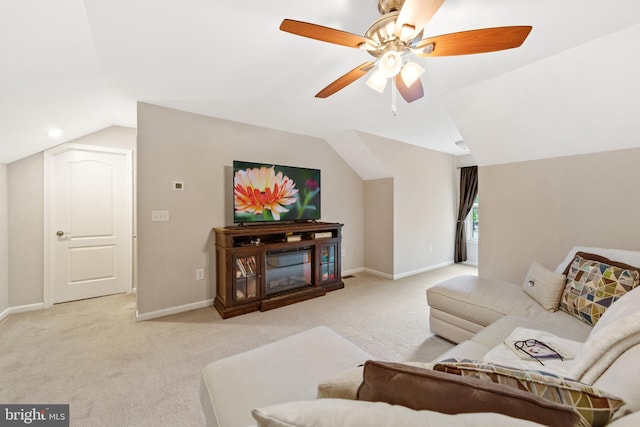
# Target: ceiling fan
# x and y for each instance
(399, 32)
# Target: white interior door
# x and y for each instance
(88, 222)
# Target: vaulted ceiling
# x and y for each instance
(81, 66)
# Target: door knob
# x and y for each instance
(59, 233)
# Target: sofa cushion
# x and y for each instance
(352, 413)
(425, 389)
(593, 284)
(621, 379)
(345, 384)
(620, 255)
(465, 297)
(570, 328)
(342, 385)
(596, 407)
(472, 303)
(506, 354)
(479, 300)
(544, 286)
(478, 346)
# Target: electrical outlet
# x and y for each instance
(343, 252)
(200, 274)
(159, 216)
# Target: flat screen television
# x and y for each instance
(264, 192)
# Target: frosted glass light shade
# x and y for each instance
(377, 81)
(390, 63)
(410, 73)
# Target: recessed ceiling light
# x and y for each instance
(54, 133)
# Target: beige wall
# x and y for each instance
(538, 210)
(199, 150)
(26, 200)
(424, 204)
(4, 241)
(26, 196)
(378, 229)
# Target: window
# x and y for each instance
(472, 222)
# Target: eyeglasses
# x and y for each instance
(537, 349)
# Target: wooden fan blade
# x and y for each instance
(326, 34)
(416, 14)
(346, 80)
(473, 41)
(409, 93)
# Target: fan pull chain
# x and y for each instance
(393, 99)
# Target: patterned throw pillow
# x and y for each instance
(593, 284)
(596, 408)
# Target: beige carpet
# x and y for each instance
(114, 371)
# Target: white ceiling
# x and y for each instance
(81, 66)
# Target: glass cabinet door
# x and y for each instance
(245, 277)
(328, 262)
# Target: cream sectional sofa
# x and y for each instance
(463, 306)
(477, 314)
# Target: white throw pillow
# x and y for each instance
(544, 286)
(355, 413)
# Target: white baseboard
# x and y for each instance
(422, 270)
(173, 310)
(207, 303)
(352, 271)
(21, 309)
(408, 273)
(379, 273)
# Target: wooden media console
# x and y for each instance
(261, 267)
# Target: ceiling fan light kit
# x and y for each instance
(390, 63)
(377, 81)
(398, 32)
(411, 72)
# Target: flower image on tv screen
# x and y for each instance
(266, 192)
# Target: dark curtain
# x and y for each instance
(468, 192)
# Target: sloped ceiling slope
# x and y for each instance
(581, 101)
(81, 66)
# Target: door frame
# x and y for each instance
(49, 228)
